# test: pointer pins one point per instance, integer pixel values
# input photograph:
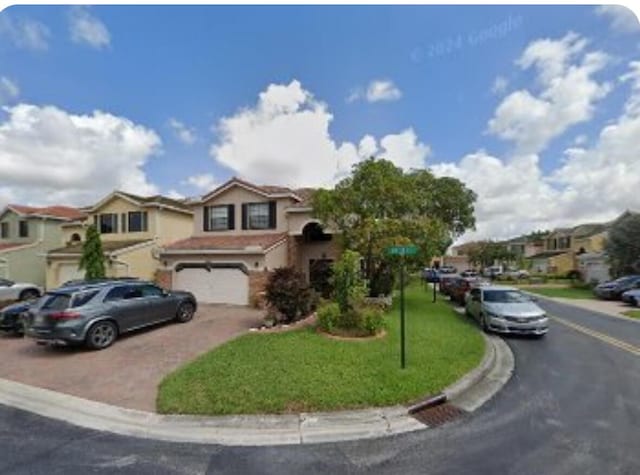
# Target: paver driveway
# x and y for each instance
(128, 373)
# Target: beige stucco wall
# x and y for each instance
(316, 250)
(13, 219)
(237, 195)
(165, 224)
(277, 257)
(593, 243)
(69, 230)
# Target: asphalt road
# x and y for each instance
(573, 406)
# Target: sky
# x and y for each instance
(535, 108)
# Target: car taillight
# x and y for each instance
(64, 316)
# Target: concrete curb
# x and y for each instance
(469, 393)
(599, 311)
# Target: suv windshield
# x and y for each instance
(55, 301)
(505, 296)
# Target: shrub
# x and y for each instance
(329, 316)
(349, 286)
(372, 320)
(382, 281)
(288, 292)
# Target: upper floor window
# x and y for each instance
(259, 215)
(108, 223)
(219, 218)
(4, 230)
(23, 229)
(137, 222)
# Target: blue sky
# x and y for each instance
(178, 89)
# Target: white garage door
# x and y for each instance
(69, 272)
(226, 285)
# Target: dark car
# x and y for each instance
(96, 314)
(430, 275)
(614, 289)
(446, 281)
(11, 317)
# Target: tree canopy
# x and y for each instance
(380, 205)
(623, 244)
(486, 253)
(92, 260)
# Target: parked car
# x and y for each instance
(460, 287)
(506, 310)
(516, 274)
(76, 282)
(614, 289)
(446, 281)
(10, 290)
(469, 273)
(448, 270)
(11, 317)
(632, 297)
(430, 275)
(96, 314)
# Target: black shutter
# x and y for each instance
(123, 225)
(244, 216)
(205, 219)
(272, 214)
(231, 217)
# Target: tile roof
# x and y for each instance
(107, 246)
(6, 246)
(64, 212)
(157, 199)
(227, 242)
(547, 254)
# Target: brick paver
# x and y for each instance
(128, 373)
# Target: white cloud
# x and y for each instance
(500, 84)
(568, 96)
(25, 33)
(186, 135)
(87, 29)
(377, 91)
(48, 155)
(580, 139)
(9, 90)
(174, 194)
(284, 139)
(203, 183)
(621, 19)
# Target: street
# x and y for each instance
(572, 406)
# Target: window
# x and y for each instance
(219, 218)
(108, 223)
(117, 293)
(151, 291)
(23, 229)
(83, 298)
(4, 230)
(56, 301)
(259, 215)
(138, 222)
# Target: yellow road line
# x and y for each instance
(623, 345)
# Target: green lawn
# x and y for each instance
(304, 371)
(562, 292)
(632, 313)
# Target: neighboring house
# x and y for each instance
(563, 246)
(26, 234)
(132, 229)
(241, 232)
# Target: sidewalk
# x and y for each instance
(469, 393)
(612, 308)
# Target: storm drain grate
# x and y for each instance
(438, 415)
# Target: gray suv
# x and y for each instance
(95, 314)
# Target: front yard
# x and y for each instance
(632, 313)
(306, 371)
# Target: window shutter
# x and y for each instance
(95, 222)
(244, 216)
(145, 221)
(205, 219)
(231, 217)
(124, 223)
(272, 214)
(115, 222)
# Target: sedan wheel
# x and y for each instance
(484, 324)
(29, 294)
(101, 335)
(185, 312)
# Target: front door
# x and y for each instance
(320, 273)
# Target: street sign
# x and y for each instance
(402, 250)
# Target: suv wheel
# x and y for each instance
(101, 335)
(185, 312)
(29, 294)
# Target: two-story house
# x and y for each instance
(26, 234)
(241, 232)
(132, 229)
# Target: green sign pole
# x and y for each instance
(402, 341)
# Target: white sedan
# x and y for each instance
(10, 290)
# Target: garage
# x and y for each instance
(69, 271)
(213, 283)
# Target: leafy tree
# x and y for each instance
(379, 205)
(288, 292)
(623, 244)
(486, 253)
(92, 260)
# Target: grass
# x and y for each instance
(305, 371)
(562, 292)
(632, 313)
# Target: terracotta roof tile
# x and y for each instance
(107, 246)
(225, 242)
(65, 212)
(5, 246)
